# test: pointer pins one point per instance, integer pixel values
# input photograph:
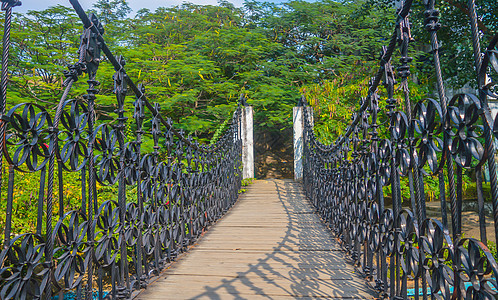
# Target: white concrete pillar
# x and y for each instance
(298, 142)
(247, 142)
(298, 120)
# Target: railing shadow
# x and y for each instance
(306, 262)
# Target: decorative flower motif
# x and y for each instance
(71, 242)
(475, 264)
(156, 124)
(106, 236)
(74, 137)
(387, 232)
(139, 109)
(162, 180)
(354, 221)
(399, 126)
(24, 272)
(131, 224)
(374, 236)
(385, 155)
(465, 132)
(438, 252)
(148, 221)
(407, 238)
(371, 168)
(28, 134)
(428, 124)
(149, 172)
(163, 224)
(107, 162)
(131, 162)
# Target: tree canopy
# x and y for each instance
(196, 60)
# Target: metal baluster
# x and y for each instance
(120, 89)
(481, 80)
(139, 116)
(156, 131)
(7, 6)
(442, 199)
(224, 160)
(90, 54)
(41, 197)
(480, 205)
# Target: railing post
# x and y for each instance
(247, 142)
(298, 120)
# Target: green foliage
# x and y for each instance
(492, 248)
(111, 10)
(248, 181)
(26, 195)
(333, 102)
(196, 60)
(219, 131)
(455, 42)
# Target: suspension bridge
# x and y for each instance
(339, 229)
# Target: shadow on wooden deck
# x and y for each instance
(269, 246)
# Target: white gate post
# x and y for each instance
(298, 120)
(298, 142)
(247, 142)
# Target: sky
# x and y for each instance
(134, 4)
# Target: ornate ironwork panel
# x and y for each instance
(355, 182)
(107, 247)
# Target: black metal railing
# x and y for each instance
(106, 248)
(399, 249)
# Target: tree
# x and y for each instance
(43, 44)
(456, 50)
(196, 60)
(110, 11)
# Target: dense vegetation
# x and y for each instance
(196, 60)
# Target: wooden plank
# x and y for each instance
(269, 246)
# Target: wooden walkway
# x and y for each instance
(269, 246)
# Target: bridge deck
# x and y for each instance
(269, 246)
